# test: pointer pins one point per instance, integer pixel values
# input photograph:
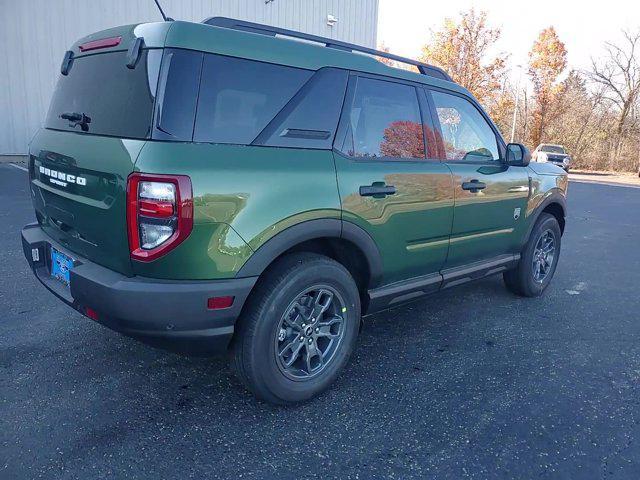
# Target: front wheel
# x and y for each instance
(538, 260)
(298, 329)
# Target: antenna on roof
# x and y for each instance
(166, 19)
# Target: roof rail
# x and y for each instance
(261, 29)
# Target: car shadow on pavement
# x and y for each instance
(419, 334)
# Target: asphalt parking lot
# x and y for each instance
(471, 383)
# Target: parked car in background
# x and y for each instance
(250, 194)
(556, 154)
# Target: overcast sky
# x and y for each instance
(404, 25)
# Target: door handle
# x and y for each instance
(376, 190)
(474, 186)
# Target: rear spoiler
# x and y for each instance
(133, 54)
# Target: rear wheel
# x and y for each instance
(539, 259)
(298, 329)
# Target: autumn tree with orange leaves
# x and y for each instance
(547, 60)
(403, 139)
(462, 48)
(595, 114)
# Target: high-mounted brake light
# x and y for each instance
(159, 213)
(101, 43)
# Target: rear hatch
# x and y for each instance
(99, 119)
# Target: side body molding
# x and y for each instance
(315, 230)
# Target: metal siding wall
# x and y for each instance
(34, 34)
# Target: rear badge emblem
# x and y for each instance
(516, 214)
(61, 178)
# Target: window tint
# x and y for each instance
(238, 98)
(177, 93)
(465, 132)
(311, 118)
(115, 99)
(384, 121)
(552, 149)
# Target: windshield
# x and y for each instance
(551, 149)
(101, 96)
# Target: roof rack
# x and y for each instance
(261, 29)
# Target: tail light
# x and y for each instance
(159, 214)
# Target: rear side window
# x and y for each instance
(178, 91)
(310, 119)
(101, 96)
(384, 121)
(465, 132)
(238, 97)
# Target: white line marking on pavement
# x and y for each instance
(577, 288)
(19, 167)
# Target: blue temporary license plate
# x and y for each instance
(61, 264)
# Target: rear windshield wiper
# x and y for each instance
(76, 119)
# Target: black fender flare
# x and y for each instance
(556, 198)
(313, 230)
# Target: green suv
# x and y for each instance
(233, 187)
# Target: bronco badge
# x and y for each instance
(61, 178)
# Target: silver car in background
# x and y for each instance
(556, 154)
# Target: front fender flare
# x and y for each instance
(555, 197)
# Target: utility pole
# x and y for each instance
(515, 109)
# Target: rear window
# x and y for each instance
(102, 96)
(552, 149)
(238, 98)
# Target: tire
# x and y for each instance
(262, 330)
(523, 280)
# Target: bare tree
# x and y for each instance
(619, 75)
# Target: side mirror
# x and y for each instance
(518, 155)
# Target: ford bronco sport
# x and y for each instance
(226, 187)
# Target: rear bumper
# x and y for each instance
(167, 314)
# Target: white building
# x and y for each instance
(34, 34)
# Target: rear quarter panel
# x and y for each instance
(243, 196)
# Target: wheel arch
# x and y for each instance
(556, 205)
(343, 241)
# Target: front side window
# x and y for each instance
(465, 132)
(384, 121)
(238, 97)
